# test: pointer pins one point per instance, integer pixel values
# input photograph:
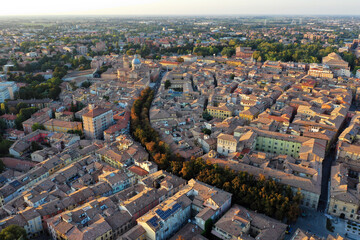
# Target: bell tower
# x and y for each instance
(126, 63)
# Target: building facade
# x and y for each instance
(96, 121)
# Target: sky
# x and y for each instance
(180, 7)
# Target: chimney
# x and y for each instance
(91, 107)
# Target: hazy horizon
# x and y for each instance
(181, 8)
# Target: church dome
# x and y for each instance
(136, 60)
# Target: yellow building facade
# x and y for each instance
(221, 112)
(55, 125)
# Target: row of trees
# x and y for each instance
(144, 133)
(260, 194)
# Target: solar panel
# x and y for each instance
(153, 221)
(165, 214)
(176, 207)
(2, 179)
(15, 183)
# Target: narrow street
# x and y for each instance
(158, 81)
(326, 169)
(325, 179)
(315, 221)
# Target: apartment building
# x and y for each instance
(55, 125)
(320, 71)
(222, 111)
(7, 90)
(167, 218)
(226, 144)
(281, 144)
(96, 121)
(195, 199)
(118, 180)
(345, 191)
(29, 219)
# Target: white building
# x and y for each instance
(343, 72)
(166, 219)
(7, 90)
(358, 73)
(195, 199)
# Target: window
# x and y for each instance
(335, 206)
(344, 208)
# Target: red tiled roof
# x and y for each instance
(13, 162)
(68, 113)
(114, 128)
(95, 112)
(138, 171)
(14, 131)
(8, 117)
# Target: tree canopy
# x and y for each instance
(13, 232)
(37, 126)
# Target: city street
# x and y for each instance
(314, 222)
(326, 169)
(343, 227)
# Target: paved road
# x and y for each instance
(314, 222)
(326, 169)
(158, 82)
